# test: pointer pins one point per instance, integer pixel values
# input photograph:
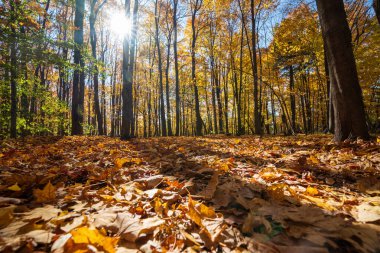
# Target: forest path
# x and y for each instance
(264, 194)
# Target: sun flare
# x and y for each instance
(120, 25)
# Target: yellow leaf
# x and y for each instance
(119, 162)
(313, 159)
(106, 197)
(84, 235)
(193, 213)
(14, 187)
(311, 191)
(198, 211)
(319, 202)
(47, 194)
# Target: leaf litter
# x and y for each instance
(218, 194)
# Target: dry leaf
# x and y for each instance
(210, 189)
(14, 187)
(85, 235)
(46, 195)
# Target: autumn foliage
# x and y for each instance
(248, 194)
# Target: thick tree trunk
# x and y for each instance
(127, 92)
(257, 116)
(376, 7)
(78, 79)
(347, 97)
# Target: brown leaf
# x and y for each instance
(46, 195)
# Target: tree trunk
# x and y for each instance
(376, 7)
(93, 42)
(257, 116)
(349, 114)
(292, 97)
(78, 79)
(169, 122)
(127, 93)
(159, 59)
(198, 122)
(176, 68)
(13, 75)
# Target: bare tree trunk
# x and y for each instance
(349, 114)
(78, 80)
(292, 97)
(198, 123)
(13, 75)
(177, 97)
(376, 7)
(93, 42)
(159, 59)
(169, 122)
(257, 116)
(127, 92)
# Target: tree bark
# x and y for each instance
(93, 42)
(13, 74)
(198, 122)
(127, 92)
(349, 114)
(176, 68)
(376, 7)
(257, 116)
(292, 97)
(159, 59)
(78, 79)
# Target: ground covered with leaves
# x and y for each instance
(221, 194)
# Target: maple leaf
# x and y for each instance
(47, 194)
(85, 235)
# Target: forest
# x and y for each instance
(190, 126)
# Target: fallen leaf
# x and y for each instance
(40, 236)
(210, 189)
(14, 187)
(6, 215)
(369, 211)
(312, 191)
(46, 195)
(85, 235)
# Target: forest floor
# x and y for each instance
(217, 193)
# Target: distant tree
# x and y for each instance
(349, 115)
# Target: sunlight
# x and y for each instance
(120, 25)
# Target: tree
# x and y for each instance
(376, 7)
(195, 7)
(13, 72)
(158, 45)
(127, 91)
(349, 115)
(78, 79)
(257, 115)
(176, 68)
(93, 40)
